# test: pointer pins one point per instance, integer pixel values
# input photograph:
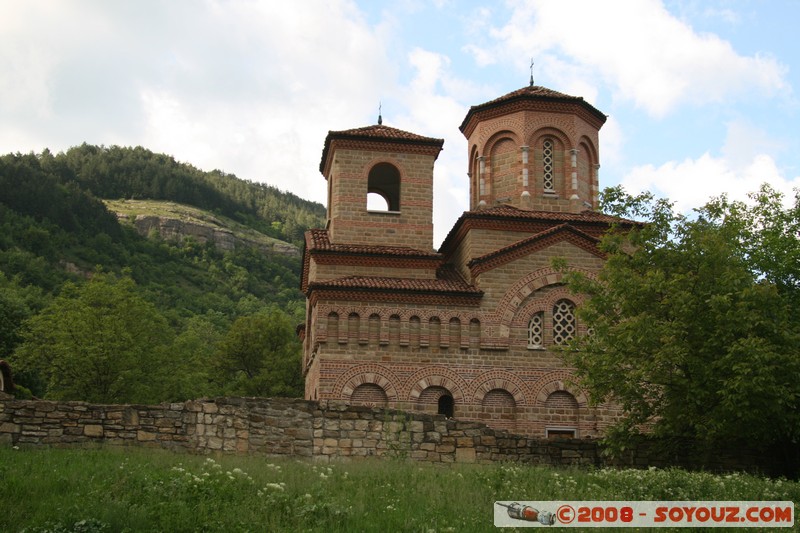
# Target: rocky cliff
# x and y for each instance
(173, 229)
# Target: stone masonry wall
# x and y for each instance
(268, 427)
(324, 431)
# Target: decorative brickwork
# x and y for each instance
(470, 331)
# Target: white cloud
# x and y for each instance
(639, 49)
(248, 87)
(692, 182)
(612, 142)
(432, 100)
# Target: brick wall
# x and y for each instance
(352, 223)
(500, 140)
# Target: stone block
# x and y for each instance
(8, 427)
(145, 436)
(92, 430)
(465, 455)
(464, 442)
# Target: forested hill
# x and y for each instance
(65, 256)
(136, 173)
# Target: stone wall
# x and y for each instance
(301, 428)
(324, 430)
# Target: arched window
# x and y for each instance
(536, 331)
(548, 166)
(384, 181)
(439, 397)
(564, 324)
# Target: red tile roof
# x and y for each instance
(448, 281)
(317, 240)
(533, 92)
(397, 284)
(508, 211)
(505, 213)
(378, 133)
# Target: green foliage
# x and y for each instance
(694, 321)
(260, 356)
(17, 303)
(99, 342)
(148, 490)
(191, 358)
(118, 172)
(55, 233)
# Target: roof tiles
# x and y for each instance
(317, 240)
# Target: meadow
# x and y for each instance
(131, 490)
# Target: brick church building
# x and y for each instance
(466, 331)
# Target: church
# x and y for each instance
(467, 331)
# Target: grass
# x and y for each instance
(131, 489)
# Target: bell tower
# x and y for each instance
(394, 165)
(534, 149)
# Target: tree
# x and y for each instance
(694, 322)
(98, 342)
(260, 356)
(17, 303)
(192, 357)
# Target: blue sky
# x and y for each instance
(702, 96)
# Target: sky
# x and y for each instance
(701, 96)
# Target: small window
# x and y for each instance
(559, 433)
(547, 166)
(564, 325)
(536, 331)
(446, 405)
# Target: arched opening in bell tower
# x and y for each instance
(384, 183)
